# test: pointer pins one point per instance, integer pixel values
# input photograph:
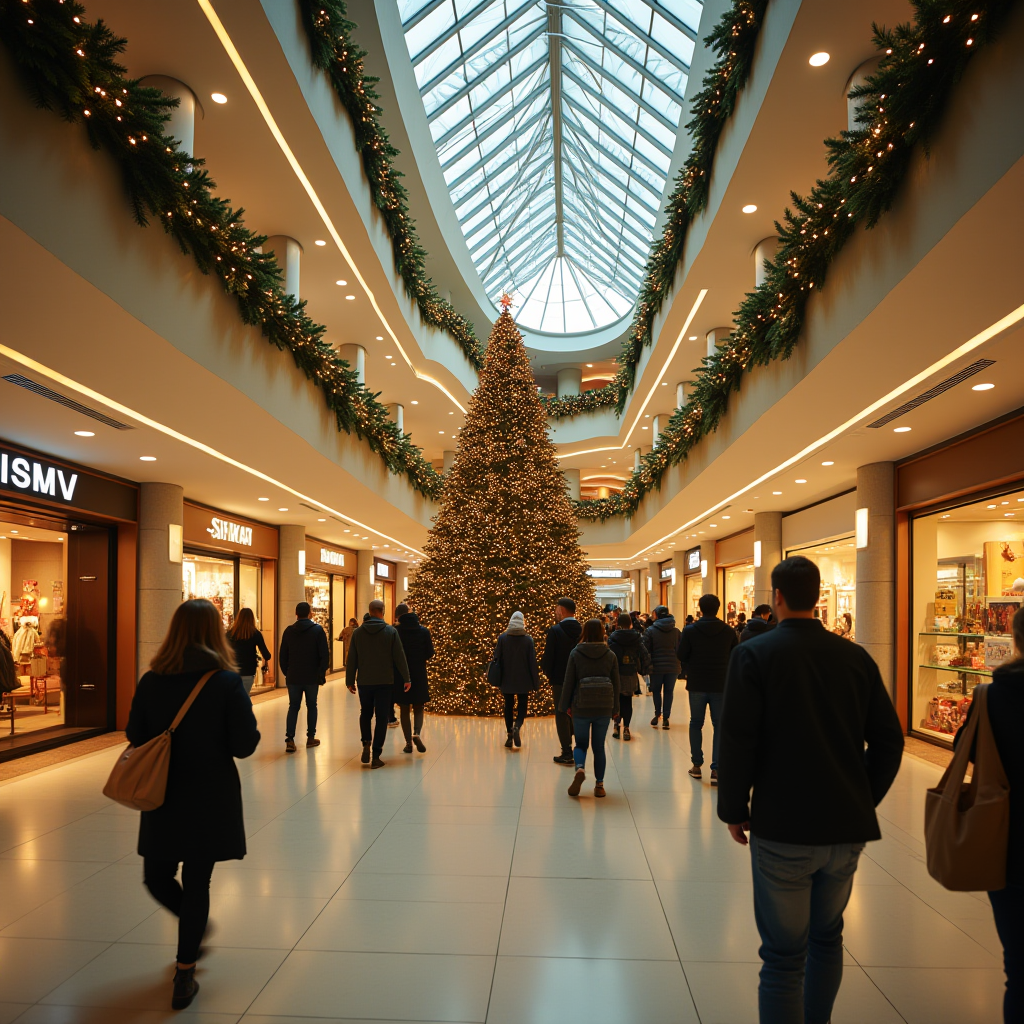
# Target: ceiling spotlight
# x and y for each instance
(776, 492)
(829, 463)
(341, 283)
(946, 516)
(389, 357)
(319, 241)
(801, 481)
(350, 298)
(664, 383)
(414, 402)
(440, 431)
(451, 413)
(817, 60)
(1009, 513)
(990, 506)
(282, 510)
(901, 430)
(321, 520)
(983, 387)
(727, 517)
(750, 208)
(379, 338)
(85, 433)
(218, 97)
(12, 531)
(693, 337)
(263, 499)
(147, 458)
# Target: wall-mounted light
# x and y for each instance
(757, 554)
(174, 543)
(302, 562)
(860, 528)
(704, 569)
(405, 584)
(650, 583)
(373, 576)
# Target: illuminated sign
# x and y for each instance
(331, 557)
(383, 569)
(233, 533)
(605, 574)
(36, 477)
(668, 574)
(693, 559)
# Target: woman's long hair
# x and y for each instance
(194, 624)
(593, 632)
(244, 625)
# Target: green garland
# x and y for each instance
(69, 66)
(334, 51)
(734, 39)
(907, 96)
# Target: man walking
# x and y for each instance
(375, 657)
(802, 691)
(661, 638)
(758, 623)
(704, 650)
(304, 660)
(562, 637)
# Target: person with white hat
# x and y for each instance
(516, 657)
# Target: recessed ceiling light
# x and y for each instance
(341, 283)
(321, 520)
(714, 526)
(440, 431)
(664, 383)
(147, 458)
(946, 516)
(816, 60)
(776, 492)
(414, 402)
(451, 413)
(319, 241)
(350, 298)
(801, 481)
(901, 430)
(263, 499)
(389, 357)
(218, 97)
(282, 510)
(727, 517)
(644, 427)
(85, 433)
(750, 208)
(983, 387)
(693, 337)
(379, 338)
(1009, 513)
(1004, 503)
(12, 531)
(990, 506)
(346, 531)
(828, 463)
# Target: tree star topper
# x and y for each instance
(506, 301)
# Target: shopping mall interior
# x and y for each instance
(466, 306)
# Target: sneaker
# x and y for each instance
(654, 721)
(516, 738)
(365, 757)
(694, 772)
(714, 776)
(376, 763)
(564, 759)
(185, 988)
(289, 746)
(664, 724)
(407, 749)
(625, 733)
(312, 742)
(508, 739)
(615, 733)
(599, 789)
(577, 782)
(419, 744)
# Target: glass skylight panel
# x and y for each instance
(554, 124)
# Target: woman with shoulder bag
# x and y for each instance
(516, 656)
(200, 821)
(1005, 700)
(591, 690)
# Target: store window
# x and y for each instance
(968, 582)
(737, 592)
(837, 605)
(331, 593)
(203, 576)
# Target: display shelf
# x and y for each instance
(964, 669)
(977, 636)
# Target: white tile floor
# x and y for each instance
(460, 885)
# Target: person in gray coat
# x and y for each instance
(591, 690)
(516, 654)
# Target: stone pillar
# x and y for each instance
(570, 381)
(449, 461)
(876, 564)
(767, 533)
(679, 590)
(289, 256)
(291, 584)
(397, 414)
(658, 422)
(572, 479)
(364, 588)
(859, 77)
(182, 125)
(764, 250)
(715, 337)
(682, 393)
(355, 356)
(638, 455)
(161, 516)
(653, 586)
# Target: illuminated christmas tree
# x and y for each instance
(505, 538)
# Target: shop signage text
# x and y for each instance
(37, 477)
(331, 557)
(668, 574)
(693, 559)
(605, 574)
(382, 569)
(233, 533)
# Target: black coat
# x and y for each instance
(201, 818)
(1005, 709)
(703, 651)
(801, 696)
(661, 638)
(562, 637)
(518, 657)
(419, 649)
(590, 660)
(632, 656)
(304, 658)
(245, 653)
(755, 627)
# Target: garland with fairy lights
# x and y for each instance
(334, 51)
(902, 105)
(70, 66)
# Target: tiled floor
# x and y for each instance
(460, 885)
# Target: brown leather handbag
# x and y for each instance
(967, 824)
(139, 777)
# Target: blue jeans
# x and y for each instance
(581, 728)
(295, 692)
(698, 703)
(800, 893)
(1008, 909)
(668, 681)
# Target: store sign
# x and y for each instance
(693, 560)
(605, 574)
(383, 570)
(233, 533)
(212, 529)
(37, 477)
(668, 574)
(331, 557)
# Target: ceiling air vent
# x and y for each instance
(68, 403)
(939, 389)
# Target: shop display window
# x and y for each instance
(204, 576)
(739, 592)
(318, 597)
(694, 590)
(968, 582)
(837, 605)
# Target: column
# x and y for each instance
(767, 533)
(355, 356)
(638, 455)
(876, 563)
(291, 584)
(449, 460)
(859, 77)
(653, 586)
(364, 588)
(764, 250)
(182, 125)
(289, 255)
(397, 414)
(161, 516)
(570, 381)
(679, 590)
(683, 393)
(709, 583)
(716, 336)
(572, 479)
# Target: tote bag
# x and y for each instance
(967, 824)
(139, 777)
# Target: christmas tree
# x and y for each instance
(505, 538)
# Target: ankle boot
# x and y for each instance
(185, 987)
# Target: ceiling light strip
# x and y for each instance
(124, 410)
(261, 104)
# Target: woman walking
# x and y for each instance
(517, 655)
(200, 821)
(591, 690)
(419, 649)
(345, 636)
(634, 661)
(246, 640)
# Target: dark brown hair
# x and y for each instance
(196, 624)
(593, 632)
(244, 625)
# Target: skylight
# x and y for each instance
(554, 125)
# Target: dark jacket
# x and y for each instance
(304, 657)
(518, 657)
(201, 817)
(755, 627)
(632, 656)
(591, 660)
(1005, 708)
(800, 692)
(661, 638)
(419, 649)
(245, 653)
(561, 639)
(8, 673)
(704, 650)
(376, 656)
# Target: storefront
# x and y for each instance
(666, 583)
(68, 541)
(612, 589)
(233, 563)
(693, 582)
(735, 567)
(331, 592)
(384, 574)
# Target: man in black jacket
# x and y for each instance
(802, 691)
(704, 650)
(758, 623)
(562, 637)
(304, 659)
(661, 638)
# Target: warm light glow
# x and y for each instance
(147, 458)
(319, 241)
(263, 499)
(801, 481)
(901, 430)
(85, 433)
(282, 510)
(776, 493)
(350, 298)
(828, 463)
(860, 528)
(302, 562)
(218, 97)
(342, 284)
(983, 387)
(757, 554)
(817, 60)
(750, 208)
